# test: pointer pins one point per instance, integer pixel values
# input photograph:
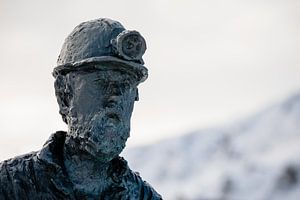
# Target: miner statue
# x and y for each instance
(96, 78)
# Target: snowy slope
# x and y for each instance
(257, 158)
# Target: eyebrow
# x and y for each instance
(127, 79)
(99, 79)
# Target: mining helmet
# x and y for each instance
(100, 44)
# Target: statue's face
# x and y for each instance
(100, 111)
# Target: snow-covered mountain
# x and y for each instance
(257, 158)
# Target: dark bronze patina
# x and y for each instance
(96, 79)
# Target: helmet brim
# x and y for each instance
(107, 62)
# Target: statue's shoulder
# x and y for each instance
(130, 183)
(16, 171)
(18, 164)
(136, 184)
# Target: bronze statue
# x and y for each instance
(99, 69)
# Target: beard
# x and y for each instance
(103, 135)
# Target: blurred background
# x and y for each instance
(218, 117)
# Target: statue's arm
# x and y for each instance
(6, 185)
(147, 192)
(128, 184)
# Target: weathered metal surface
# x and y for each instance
(99, 69)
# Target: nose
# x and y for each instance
(113, 96)
(114, 89)
(112, 101)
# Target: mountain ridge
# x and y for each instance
(229, 161)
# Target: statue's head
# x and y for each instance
(99, 69)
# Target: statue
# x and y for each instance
(99, 69)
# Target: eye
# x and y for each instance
(126, 84)
(100, 82)
(102, 85)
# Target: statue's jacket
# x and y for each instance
(40, 175)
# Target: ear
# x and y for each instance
(63, 94)
(137, 98)
(63, 103)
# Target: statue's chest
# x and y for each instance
(90, 189)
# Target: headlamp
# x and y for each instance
(129, 45)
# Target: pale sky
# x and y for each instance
(210, 62)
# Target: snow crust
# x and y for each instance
(257, 158)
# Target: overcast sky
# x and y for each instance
(210, 62)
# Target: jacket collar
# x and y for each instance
(52, 155)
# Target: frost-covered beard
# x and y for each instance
(102, 135)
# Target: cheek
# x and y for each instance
(86, 102)
(128, 104)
